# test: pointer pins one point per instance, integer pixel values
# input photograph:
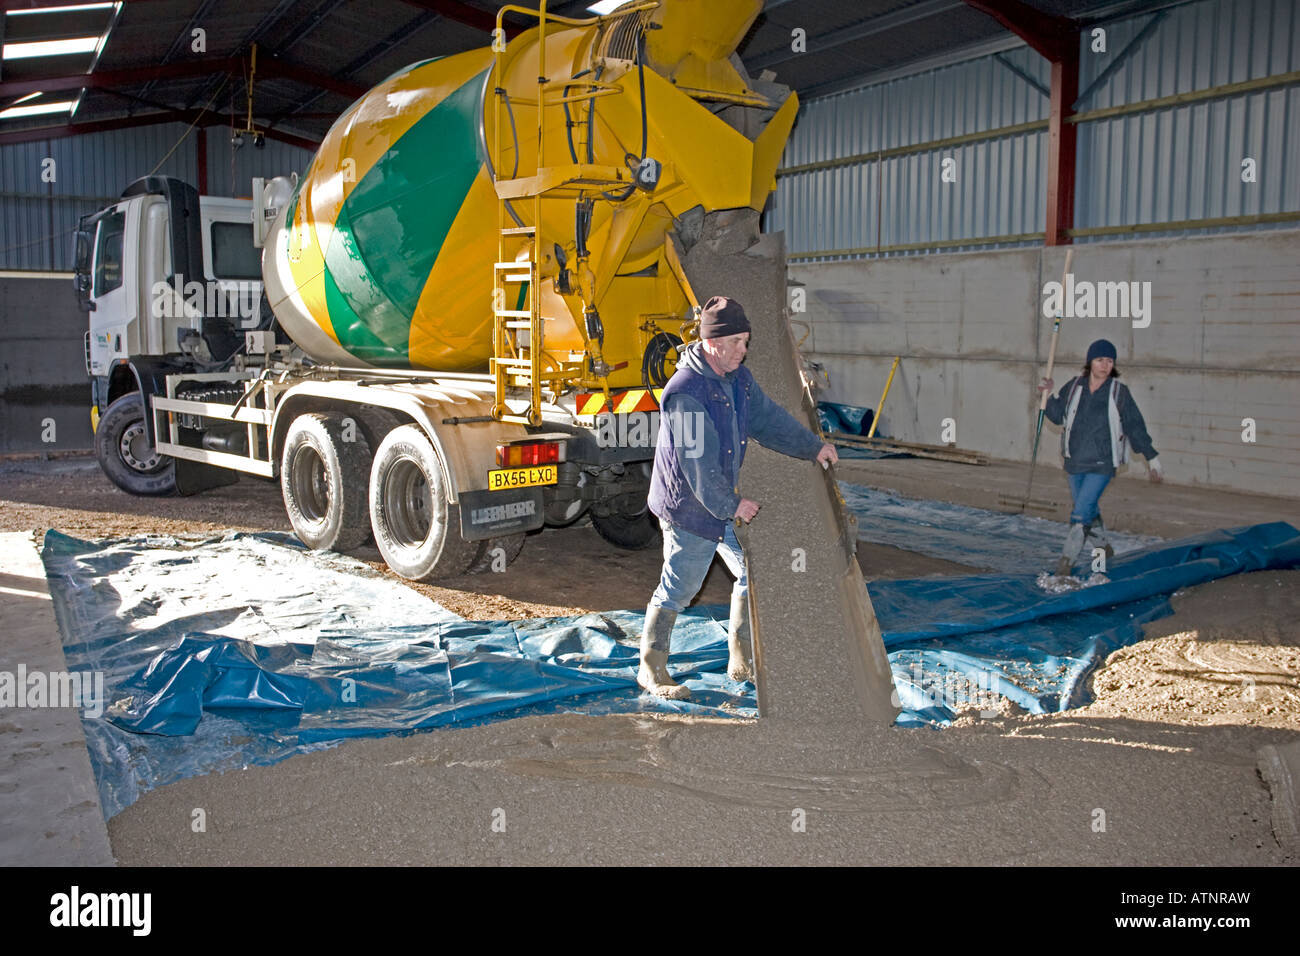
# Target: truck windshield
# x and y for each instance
(108, 254)
(233, 254)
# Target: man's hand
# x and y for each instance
(1046, 385)
(827, 456)
(1155, 472)
(746, 510)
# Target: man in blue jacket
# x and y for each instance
(710, 409)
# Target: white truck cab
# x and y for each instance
(171, 281)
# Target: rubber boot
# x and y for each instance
(738, 641)
(1070, 550)
(1094, 536)
(652, 675)
(1102, 538)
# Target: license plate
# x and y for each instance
(499, 479)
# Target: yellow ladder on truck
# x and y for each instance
(519, 359)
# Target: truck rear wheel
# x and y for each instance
(323, 479)
(125, 454)
(631, 532)
(509, 545)
(376, 422)
(416, 529)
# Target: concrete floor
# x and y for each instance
(51, 813)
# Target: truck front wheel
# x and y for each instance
(125, 453)
(324, 470)
(416, 529)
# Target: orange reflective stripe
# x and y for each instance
(633, 400)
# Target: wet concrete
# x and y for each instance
(818, 649)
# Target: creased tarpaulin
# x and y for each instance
(245, 649)
(971, 536)
(952, 640)
(192, 693)
(851, 420)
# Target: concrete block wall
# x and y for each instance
(1222, 345)
(42, 365)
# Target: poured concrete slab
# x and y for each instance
(819, 654)
(51, 806)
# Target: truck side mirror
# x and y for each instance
(85, 242)
(81, 282)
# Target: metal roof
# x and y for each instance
(316, 56)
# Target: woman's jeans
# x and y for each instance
(1086, 489)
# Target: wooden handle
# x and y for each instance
(1056, 330)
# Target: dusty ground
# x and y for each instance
(1229, 656)
(1167, 750)
(562, 571)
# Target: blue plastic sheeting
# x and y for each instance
(952, 640)
(849, 419)
(192, 691)
(970, 536)
(247, 649)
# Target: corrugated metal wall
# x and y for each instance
(1172, 164)
(37, 218)
(1185, 162)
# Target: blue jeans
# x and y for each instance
(1086, 489)
(687, 558)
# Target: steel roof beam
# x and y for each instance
(1056, 39)
(196, 117)
(463, 13)
(834, 38)
(109, 79)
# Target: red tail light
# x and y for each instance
(528, 454)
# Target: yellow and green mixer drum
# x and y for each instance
(384, 254)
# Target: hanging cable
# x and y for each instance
(654, 368)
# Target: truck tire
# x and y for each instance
(630, 532)
(124, 453)
(324, 480)
(416, 529)
(376, 422)
(510, 544)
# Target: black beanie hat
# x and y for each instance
(1101, 348)
(722, 316)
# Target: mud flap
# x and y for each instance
(492, 514)
(819, 656)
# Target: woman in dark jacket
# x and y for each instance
(1101, 420)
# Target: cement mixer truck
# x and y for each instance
(467, 302)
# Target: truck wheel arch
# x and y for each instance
(463, 450)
